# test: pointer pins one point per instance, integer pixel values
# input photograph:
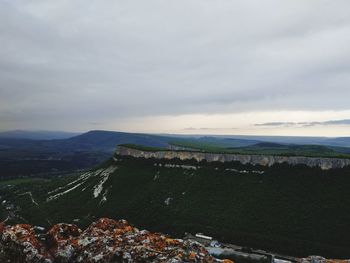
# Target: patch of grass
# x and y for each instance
(266, 149)
(144, 148)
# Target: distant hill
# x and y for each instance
(36, 135)
(264, 148)
(27, 157)
(108, 140)
(21, 154)
(341, 141)
(105, 141)
(295, 149)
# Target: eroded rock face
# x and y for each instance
(62, 241)
(19, 244)
(264, 160)
(106, 240)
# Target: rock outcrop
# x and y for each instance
(104, 241)
(264, 160)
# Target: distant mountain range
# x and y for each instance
(104, 141)
(36, 135)
(330, 141)
(108, 139)
(24, 153)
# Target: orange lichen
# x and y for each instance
(23, 238)
(192, 255)
(103, 241)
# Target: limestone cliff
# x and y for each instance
(264, 160)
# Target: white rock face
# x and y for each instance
(102, 174)
(104, 177)
(254, 159)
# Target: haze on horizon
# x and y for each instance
(186, 66)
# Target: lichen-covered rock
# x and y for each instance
(62, 240)
(19, 244)
(104, 241)
(116, 241)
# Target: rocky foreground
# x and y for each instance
(106, 240)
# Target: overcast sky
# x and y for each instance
(184, 66)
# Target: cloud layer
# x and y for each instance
(86, 64)
(305, 124)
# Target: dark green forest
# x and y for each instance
(293, 210)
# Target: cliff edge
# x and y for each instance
(254, 159)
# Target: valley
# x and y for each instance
(294, 210)
(262, 196)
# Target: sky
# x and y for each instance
(187, 66)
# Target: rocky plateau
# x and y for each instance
(263, 160)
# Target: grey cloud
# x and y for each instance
(207, 129)
(304, 124)
(276, 124)
(88, 62)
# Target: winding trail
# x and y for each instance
(31, 197)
